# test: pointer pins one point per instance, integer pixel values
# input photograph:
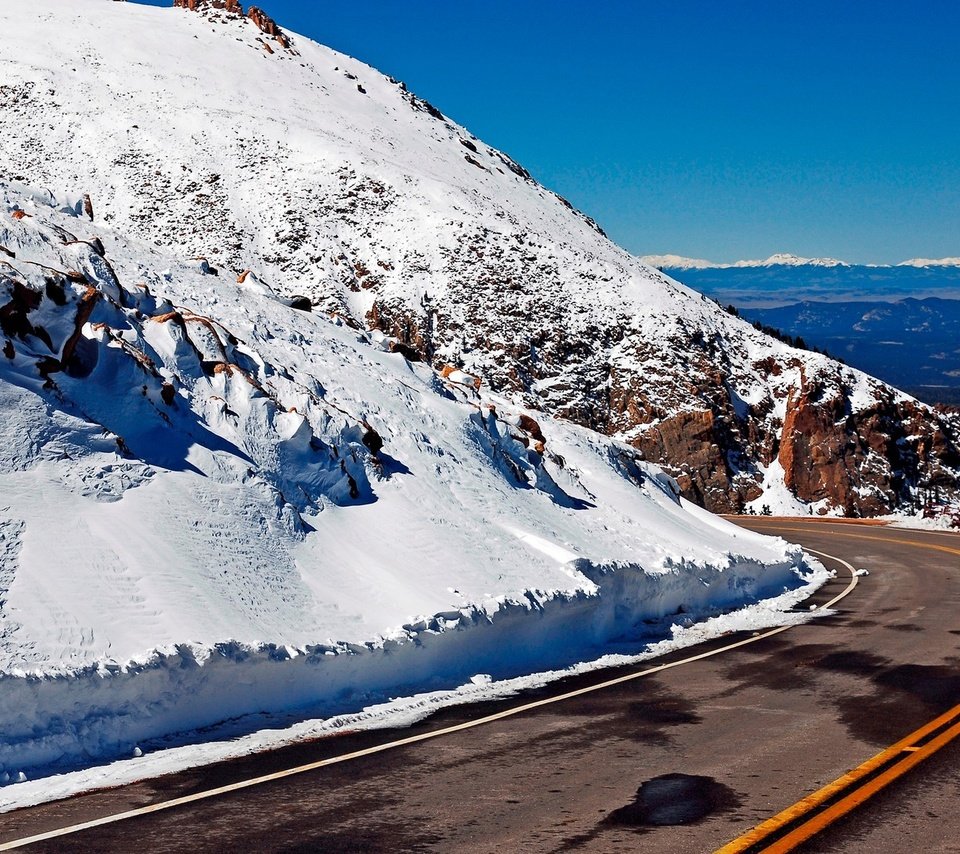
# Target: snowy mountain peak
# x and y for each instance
(678, 262)
(930, 262)
(785, 259)
(233, 8)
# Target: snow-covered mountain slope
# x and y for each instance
(194, 472)
(202, 134)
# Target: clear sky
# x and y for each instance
(710, 129)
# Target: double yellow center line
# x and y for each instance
(809, 816)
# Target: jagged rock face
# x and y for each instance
(334, 182)
(267, 25)
(692, 437)
(264, 22)
(830, 454)
(837, 454)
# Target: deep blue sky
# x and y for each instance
(718, 130)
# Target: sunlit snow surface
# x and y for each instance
(400, 712)
(191, 526)
(194, 530)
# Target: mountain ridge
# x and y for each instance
(330, 180)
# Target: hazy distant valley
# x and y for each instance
(901, 324)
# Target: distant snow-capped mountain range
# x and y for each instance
(782, 259)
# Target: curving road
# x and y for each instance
(684, 760)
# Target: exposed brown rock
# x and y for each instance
(268, 25)
(263, 21)
(175, 316)
(690, 445)
(88, 302)
(372, 440)
(531, 427)
(861, 462)
(231, 6)
(13, 315)
(411, 354)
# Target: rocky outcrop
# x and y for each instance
(690, 445)
(267, 25)
(263, 21)
(864, 462)
(231, 6)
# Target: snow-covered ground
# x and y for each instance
(198, 522)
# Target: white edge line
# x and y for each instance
(380, 748)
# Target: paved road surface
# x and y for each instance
(718, 745)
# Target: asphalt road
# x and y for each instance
(682, 761)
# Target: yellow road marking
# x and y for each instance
(414, 739)
(860, 791)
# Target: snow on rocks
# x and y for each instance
(336, 185)
(217, 506)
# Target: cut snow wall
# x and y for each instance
(70, 719)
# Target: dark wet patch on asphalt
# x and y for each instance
(669, 800)
(651, 716)
(884, 703)
(903, 627)
(783, 669)
(855, 662)
(646, 717)
(879, 721)
(674, 799)
(938, 687)
(906, 697)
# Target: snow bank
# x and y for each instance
(103, 711)
(215, 507)
(270, 732)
